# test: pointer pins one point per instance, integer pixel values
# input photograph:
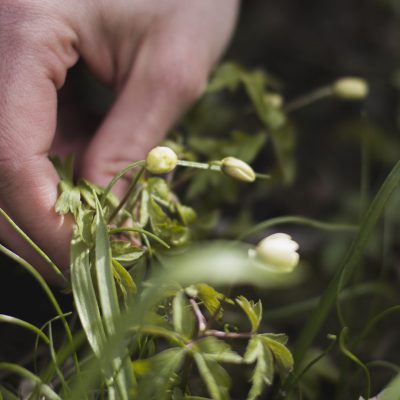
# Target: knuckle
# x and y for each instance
(183, 74)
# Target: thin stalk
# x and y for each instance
(34, 246)
(297, 220)
(28, 267)
(129, 192)
(139, 230)
(26, 325)
(308, 99)
(118, 177)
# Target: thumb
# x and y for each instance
(163, 82)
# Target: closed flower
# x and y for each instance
(278, 252)
(237, 169)
(161, 160)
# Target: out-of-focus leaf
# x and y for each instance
(392, 390)
(182, 315)
(277, 337)
(282, 355)
(124, 280)
(252, 310)
(123, 252)
(264, 370)
(227, 76)
(210, 298)
(214, 376)
(284, 141)
(217, 350)
(158, 374)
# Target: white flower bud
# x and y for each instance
(274, 99)
(161, 160)
(278, 252)
(237, 169)
(350, 88)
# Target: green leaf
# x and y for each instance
(211, 299)
(217, 350)
(69, 200)
(227, 76)
(278, 337)
(84, 294)
(392, 390)
(264, 370)
(158, 374)
(124, 280)
(182, 315)
(282, 355)
(252, 310)
(125, 253)
(214, 376)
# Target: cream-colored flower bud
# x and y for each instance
(161, 160)
(350, 88)
(274, 99)
(237, 169)
(278, 252)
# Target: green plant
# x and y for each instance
(155, 298)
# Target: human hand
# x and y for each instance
(155, 54)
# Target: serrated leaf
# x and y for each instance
(158, 374)
(227, 76)
(219, 351)
(282, 355)
(214, 376)
(211, 299)
(182, 315)
(252, 310)
(264, 370)
(123, 252)
(278, 337)
(69, 200)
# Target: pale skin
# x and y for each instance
(155, 54)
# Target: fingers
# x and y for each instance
(29, 74)
(161, 85)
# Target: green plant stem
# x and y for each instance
(118, 177)
(44, 389)
(129, 192)
(26, 325)
(356, 360)
(371, 323)
(142, 231)
(298, 220)
(349, 264)
(28, 267)
(34, 246)
(308, 99)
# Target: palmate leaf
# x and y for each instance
(157, 374)
(264, 370)
(210, 298)
(182, 315)
(217, 350)
(214, 376)
(252, 310)
(283, 357)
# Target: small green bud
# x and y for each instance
(237, 169)
(161, 160)
(350, 88)
(278, 252)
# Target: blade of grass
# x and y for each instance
(344, 272)
(298, 220)
(34, 246)
(31, 270)
(44, 389)
(118, 177)
(26, 325)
